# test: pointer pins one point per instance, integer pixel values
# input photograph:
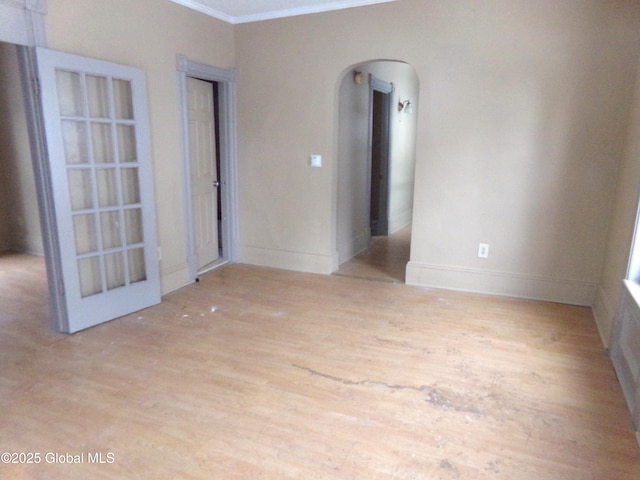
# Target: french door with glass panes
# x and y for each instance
(96, 126)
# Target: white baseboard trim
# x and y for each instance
(400, 221)
(26, 251)
(174, 278)
(604, 313)
(624, 351)
(32, 244)
(353, 247)
(297, 261)
(573, 292)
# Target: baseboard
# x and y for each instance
(625, 348)
(603, 313)
(297, 261)
(172, 279)
(24, 251)
(400, 221)
(573, 292)
(31, 245)
(353, 247)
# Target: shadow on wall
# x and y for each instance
(354, 152)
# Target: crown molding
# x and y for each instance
(321, 8)
(200, 7)
(271, 15)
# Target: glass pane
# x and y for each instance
(114, 265)
(110, 223)
(137, 269)
(107, 187)
(133, 226)
(102, 143)
(74, 135)
(84, 230)
(122, 99)
(127, 144)
(80, 188)
(69, 93)
(98, 96)
(130, 188)
(89, 271)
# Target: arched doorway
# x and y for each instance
(377, 123)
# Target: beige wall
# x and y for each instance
(19, 219)
(521, 125)
(352, 159)
(148, 34)
(622, 227)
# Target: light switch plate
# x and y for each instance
(315, 161)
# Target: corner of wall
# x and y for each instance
(603, 313)
(353, 247)
(400, 221)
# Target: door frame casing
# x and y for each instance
(42, 175)
(226, 80)
(24, 26)
(23, 22)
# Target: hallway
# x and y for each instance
(384, 261)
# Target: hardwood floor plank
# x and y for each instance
(266, 374)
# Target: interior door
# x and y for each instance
(203, 168)
(379, 211)
(96, 127)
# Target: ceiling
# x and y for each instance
(244, 11)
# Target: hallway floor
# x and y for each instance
(384, 261)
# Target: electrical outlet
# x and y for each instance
(483, 250)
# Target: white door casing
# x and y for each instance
(204, 177)
(96, 127)
(227, 160)
(22, 22)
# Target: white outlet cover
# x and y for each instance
(483, 250)
(315, 161)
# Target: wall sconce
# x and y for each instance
(358, 78)
(405, 106)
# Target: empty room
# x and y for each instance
(281, 239)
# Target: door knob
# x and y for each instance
(216, 184)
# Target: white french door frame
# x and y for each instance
(226, 80)
(44, 189)
(23, 24)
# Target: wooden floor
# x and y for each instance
(257, 373)
(385, 260)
